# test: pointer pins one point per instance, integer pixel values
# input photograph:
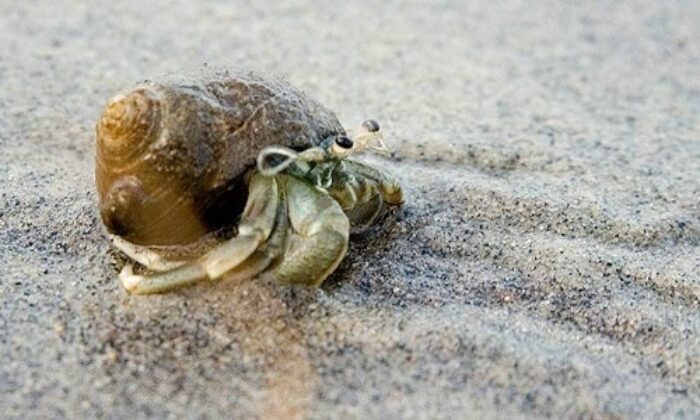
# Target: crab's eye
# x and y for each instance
(344, 142)
(371, 126)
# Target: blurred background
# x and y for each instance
(547, 262)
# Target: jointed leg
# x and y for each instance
(263, 219)
(144, 256)
(389, 188)
(267, 254)
(363, 192)
(365, 214)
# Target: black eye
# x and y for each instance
(344, 142)
(371, 126)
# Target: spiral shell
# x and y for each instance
(171, 157)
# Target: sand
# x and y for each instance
(546, 263)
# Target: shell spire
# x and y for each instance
(129, 123)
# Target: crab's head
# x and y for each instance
(366, 136)
(275, 159)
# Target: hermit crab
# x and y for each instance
(233, 176)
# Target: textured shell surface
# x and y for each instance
(171, 156)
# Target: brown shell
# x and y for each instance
(170, 157)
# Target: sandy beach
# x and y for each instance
(546, 263)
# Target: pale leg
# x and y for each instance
(366, 213)
(389, 188)
(260, 217)
(144, 256)
(363, 192)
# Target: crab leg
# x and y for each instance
(144, 256)
(320, 235)
(263, 215)
(364, 214)
(359, 197)
(362, 192)
(388, 187)
(268, 253)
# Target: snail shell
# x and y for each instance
(171, 157)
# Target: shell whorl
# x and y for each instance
(129, 123)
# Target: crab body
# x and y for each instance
(237, 174)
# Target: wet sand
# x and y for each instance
(546, 263)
